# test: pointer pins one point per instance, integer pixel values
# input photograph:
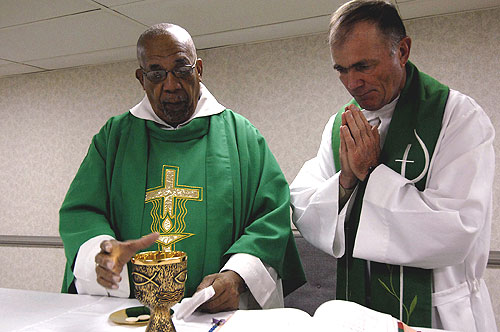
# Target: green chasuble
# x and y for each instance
(211, 188)
(409, 145)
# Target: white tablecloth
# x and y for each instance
(23, 310)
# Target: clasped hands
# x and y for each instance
(114, 254)
(359, 147)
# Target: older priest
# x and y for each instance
(182, 165)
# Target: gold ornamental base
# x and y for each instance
(160, 321)
(159, 278)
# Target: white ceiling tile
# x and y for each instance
(267, 32)
(202, 17)
(15, 12)
(15, 69)
(111, 3)
(87, 32)
(422, 8)
(91, 58)
(65, 33)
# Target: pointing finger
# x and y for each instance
(143, 242)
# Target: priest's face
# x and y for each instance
(174, 98)
(371, 68)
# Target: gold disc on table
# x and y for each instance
(130, 316)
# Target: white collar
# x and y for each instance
(385, 111)
(207, 105)
(382, 117)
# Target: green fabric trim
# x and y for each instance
(336, 133)
(419, 110)
(186, 159)
(137, 311)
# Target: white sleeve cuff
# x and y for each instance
(85, 275)
(262, 280)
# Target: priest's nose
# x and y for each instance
(352, 80)
(171, 83)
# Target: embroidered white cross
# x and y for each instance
(405, 160)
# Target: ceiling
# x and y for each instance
(41, 35)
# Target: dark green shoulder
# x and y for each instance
(116, 129)
(120, 121)
(239, 122)
(117, 124)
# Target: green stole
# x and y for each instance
(419, 112)
(176, 188)
(213, 178)
(201, 161)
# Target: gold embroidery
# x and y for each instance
(168, 218)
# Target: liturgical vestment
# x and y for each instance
(211, 188)
(445, 227)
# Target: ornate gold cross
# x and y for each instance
(171, 232)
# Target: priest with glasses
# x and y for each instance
(180, 171)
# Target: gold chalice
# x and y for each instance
(159, 278)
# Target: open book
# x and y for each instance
(332, 316)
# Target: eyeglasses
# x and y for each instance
(157, 76)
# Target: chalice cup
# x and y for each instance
(159, 278)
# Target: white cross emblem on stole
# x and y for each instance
(403, 162)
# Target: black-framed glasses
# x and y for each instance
(157, 76)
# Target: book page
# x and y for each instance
(344, 316)
(331, 316)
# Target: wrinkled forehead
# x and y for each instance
(166, 45)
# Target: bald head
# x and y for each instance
(160, 31)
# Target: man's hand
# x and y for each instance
(114, 255)
(347, 178)
(228, 286)
(359, 146)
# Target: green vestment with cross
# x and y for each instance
(211, 188)
(408, 148)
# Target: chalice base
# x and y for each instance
(160, 320)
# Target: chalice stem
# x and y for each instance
(160, 320)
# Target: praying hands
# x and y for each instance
(359, 147)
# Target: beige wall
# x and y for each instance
(287, 88)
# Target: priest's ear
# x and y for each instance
(139, 75)
(404, 50)
(199, 68)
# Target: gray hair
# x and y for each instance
(383, 14)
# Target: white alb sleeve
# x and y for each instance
(261, 279)
(314, 196)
